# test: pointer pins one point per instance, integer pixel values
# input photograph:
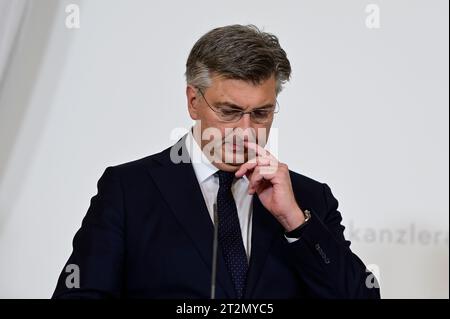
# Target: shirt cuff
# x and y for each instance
(291, 240)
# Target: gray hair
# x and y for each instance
(237, 52)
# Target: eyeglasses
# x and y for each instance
(259, 116)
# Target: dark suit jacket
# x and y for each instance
(148, 234)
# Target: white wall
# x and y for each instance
(366, 112)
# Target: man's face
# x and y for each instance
(227, 94)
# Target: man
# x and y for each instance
(149, 232)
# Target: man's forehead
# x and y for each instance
(243, 93)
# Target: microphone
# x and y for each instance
(214, 254)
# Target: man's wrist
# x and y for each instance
(295, 233)
(293, 220)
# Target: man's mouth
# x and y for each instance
(234, 147)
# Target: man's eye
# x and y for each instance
(230, 112)
(261, 113)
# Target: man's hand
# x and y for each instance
(270, 180)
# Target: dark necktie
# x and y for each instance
(230, 237)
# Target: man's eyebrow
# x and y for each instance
(238, 107)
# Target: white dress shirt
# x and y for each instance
(209, 184)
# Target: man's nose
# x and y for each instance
(245, 122)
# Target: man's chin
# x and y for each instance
(228, 167)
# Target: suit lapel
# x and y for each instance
(264, 228)
(179, 187)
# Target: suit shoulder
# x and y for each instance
(138, 165)
(305, 181)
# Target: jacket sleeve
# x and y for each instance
(324, 260)
(94, 269)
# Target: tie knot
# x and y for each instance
(225, 179)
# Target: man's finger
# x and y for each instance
(259, 150)
(244, 168)
(261, 161)
(260, 173)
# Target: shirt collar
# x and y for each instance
(202, 165)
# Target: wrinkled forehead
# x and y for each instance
(242, 93)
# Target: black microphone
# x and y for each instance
(214, 254)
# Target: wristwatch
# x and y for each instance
(295, 233)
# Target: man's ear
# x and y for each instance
(192, 100)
